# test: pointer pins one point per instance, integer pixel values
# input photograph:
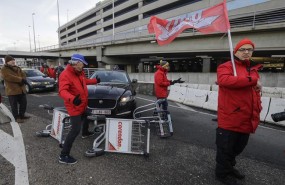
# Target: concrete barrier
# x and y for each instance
(204, 87)
(265, 101)
(195, 97)
(282, 93)
(208, 99)
(211, 101)
(276, 105)
(192, 86)
(177, 94)
(145, 88)
(214, 88)
(273, 92)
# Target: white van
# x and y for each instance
(2, 62)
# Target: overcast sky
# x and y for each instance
(16, 17)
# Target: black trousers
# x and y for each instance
(76, 123)
(20, 99)
(229, 145)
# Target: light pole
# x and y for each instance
(113, 21)
(34, 32)
(39, 42)
(67, 15)
(30, 39)
(58, 32)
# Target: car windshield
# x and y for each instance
(33, 73)
(111, 76)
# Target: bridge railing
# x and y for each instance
(239, 20)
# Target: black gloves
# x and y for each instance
(172, 82)
(98, 79)
(77, 100)
(179, 81)
(24, 81)
(176, 81)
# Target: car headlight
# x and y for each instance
(126, 99)
(35, 83)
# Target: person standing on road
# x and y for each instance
(161, 83)
(52, 72)
(73, 90)
(45, 69)
(239, 107)
(15, 80)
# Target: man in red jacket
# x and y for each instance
(239, 106)
(73, 90)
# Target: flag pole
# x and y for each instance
(232, 52)
(230, 37)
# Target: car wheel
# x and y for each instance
(28, 88)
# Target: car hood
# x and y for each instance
(40, 79)
(107, 91)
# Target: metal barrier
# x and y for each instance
(89, 72)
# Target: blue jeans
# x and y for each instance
(163, 104)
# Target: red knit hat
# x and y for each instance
(243, 42)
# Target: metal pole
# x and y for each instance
(113, 20)
(39, 42)
(30, 39)
(34, 32)
(58, 32)
(67, 15)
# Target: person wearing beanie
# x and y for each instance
(161, 83)
(15, 81)
(73, 90)
(239, 107)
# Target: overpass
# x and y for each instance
(25, 54)
(264, 27)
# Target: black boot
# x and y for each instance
(227, 180)
(235, 173)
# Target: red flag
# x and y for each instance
(214, 19)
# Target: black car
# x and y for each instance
(37, 81)
(114, 96)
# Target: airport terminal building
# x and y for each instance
(114, 32)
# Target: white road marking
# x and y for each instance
(179, 106)
(13, 149)
(42, 95)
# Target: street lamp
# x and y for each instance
(113, 20)
(39, 42)
(30, 39)
(67, 15)
(58, 32)
(34, 32)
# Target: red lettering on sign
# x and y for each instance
(120, 130)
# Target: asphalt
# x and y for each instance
(176, 160)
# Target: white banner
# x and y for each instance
(119, 135)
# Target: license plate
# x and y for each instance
(105, 112)
(49, 86)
